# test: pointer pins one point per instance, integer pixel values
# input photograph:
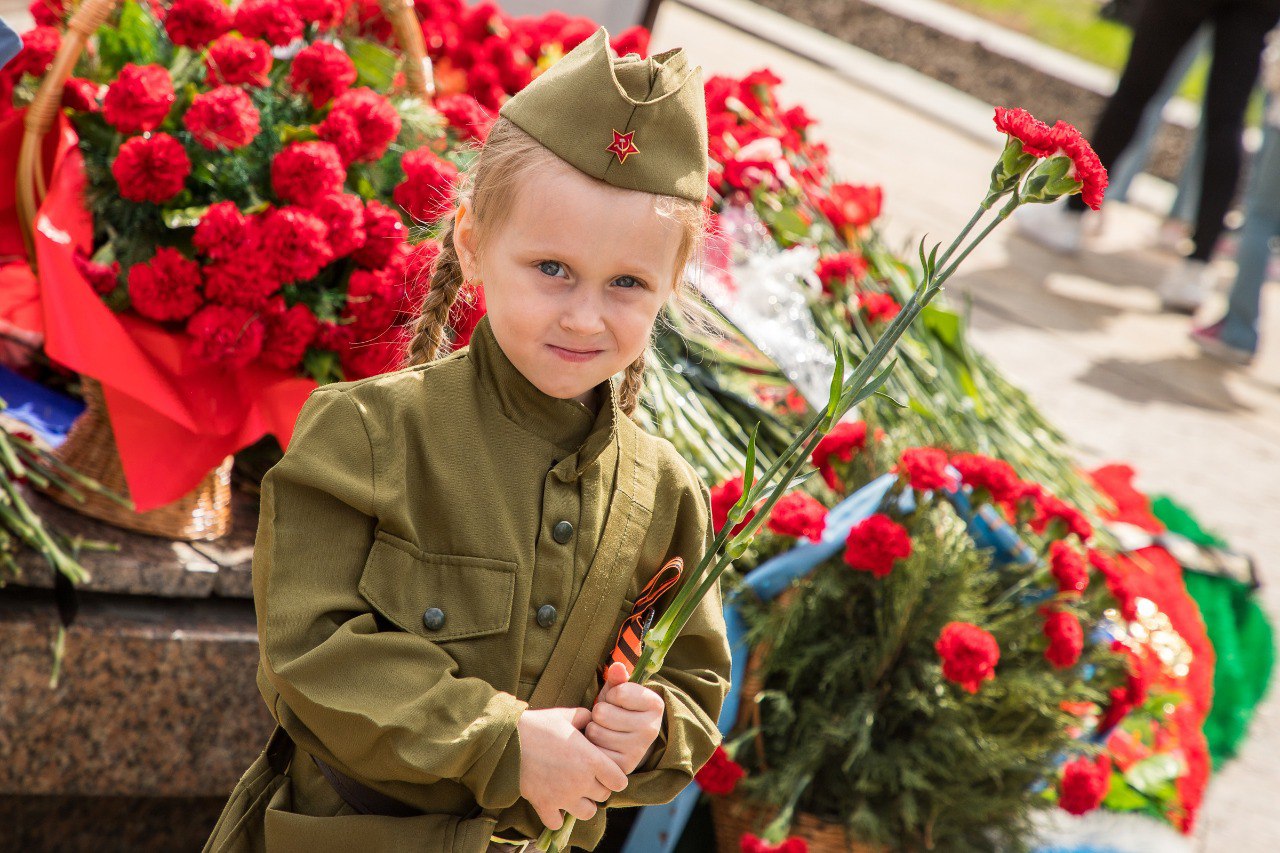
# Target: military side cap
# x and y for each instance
(639, 124)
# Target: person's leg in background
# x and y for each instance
(1161, 31)
(1235, 336)
(1138, 152)
(1240, 28)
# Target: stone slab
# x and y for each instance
(157, 697)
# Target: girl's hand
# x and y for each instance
(626, 719)
(559, 768)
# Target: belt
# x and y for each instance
(362, 798)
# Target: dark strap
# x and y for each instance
(362, 798)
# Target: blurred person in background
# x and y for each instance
(1234, 337)
(10, 44)
(1162, 29)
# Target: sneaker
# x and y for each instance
(1185, 287)
(1211, 344)
(1054, 226)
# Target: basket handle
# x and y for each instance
(91, 15)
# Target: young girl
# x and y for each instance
(446, 552)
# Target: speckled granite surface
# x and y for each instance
(157, 697)
(106, 824)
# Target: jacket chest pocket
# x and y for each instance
(439, 597)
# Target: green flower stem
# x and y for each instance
(1004, 214)
(955, 244)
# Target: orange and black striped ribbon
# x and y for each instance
(631, 635)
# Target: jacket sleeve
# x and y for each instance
(694, 678)
(386, 707)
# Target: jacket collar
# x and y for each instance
(567, 424)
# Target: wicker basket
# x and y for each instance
(90, 448)
(205, 511)
(733, 816)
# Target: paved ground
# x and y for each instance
(1084, 336)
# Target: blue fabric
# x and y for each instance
(10, 44)
(48, 413)
(1253, 254)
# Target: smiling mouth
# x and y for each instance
(574, 354)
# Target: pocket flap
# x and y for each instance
(473, 595)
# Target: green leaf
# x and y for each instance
(739, 510)
(186, 217)
(837, 387)
(375, 64)
(136, 39)
(1150, 774)
(293, 133)
(874, 385)
(1121, 797)
(944, 323)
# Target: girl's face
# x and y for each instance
(573, 279)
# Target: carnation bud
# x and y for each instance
(1014, 162)
(1049, 181)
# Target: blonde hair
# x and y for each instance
(489, 184)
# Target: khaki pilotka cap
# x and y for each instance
(639, 124)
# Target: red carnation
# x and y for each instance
(751, 844)
(305, 172)
(1117, 583)
(246, 280)
(876, 544)
(1085, 165)
(879, 307)
(81, 95)
(1037, 138)
(850, 206)
(288, 334)
(632, 40)
(1132, 694)
(325, 14)
(221, 231)
(225, 335)
(426, 193)
(969, 655)
(925, 468)
(361, 124)
(984, 474)
(385, 233)
(723, 498)
(193, 23)
(321, 71)
(466, 115)
(1053, 511)
(840, 270)
(798, 514)
(47, 13)
(103, 278)
(841, 443)
(419, 263)
(296, 243)
(1084, 784)
(373, 298)
(343, 214)
(223, 118)
(238, 61)
(167, 287)
(139, 99)
(1068, 568)
(151, 168)
(275, 21)
(720, 774)
(1066, 638)
(39, 46)
(369, 358)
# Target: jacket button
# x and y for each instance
(546, 616)
(562, 532)
(433, 619)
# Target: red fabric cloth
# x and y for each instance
(174, 420)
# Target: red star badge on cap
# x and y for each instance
(622, 145)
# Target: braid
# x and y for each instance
(446, 280)
(632, 382)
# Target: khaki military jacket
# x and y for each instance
(440, 548)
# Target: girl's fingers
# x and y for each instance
(608, 739)
(634, 697)
(620, 719)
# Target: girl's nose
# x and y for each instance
(584, 314)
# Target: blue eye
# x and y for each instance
(635, 282)
(550, 268)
